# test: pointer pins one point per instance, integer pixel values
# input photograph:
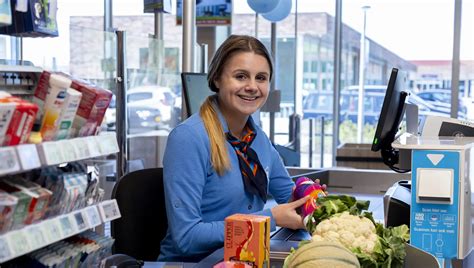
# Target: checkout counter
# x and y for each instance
(434, 198)
(360, 183)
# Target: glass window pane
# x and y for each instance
(393, 42)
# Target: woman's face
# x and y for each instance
(243, 85)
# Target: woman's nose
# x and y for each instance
(252, 84)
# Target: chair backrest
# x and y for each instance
(140, 197)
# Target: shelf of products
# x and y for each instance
(24, 157)
(35, 236)
(46, 192)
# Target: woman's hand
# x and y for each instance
(285, 215)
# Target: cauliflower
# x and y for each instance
(349, 230)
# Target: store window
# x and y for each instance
(394, 42)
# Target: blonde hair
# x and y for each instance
(219, 157)
(231, 46)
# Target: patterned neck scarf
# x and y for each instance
(253, 175)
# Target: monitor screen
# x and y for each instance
(392, 111)
(195, 90)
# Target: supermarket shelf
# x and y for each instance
(20, 158)
(35, 236)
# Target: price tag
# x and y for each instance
(5, 251)
(36, 236)
(93, 146)
(82, 148)
(52, 153)
(81, 222)
(19, 242)
(68, 150)
(8, 160)
(93, 216)
(67, 226)
(52, 230)
(108, 143)
(109, 210)
(28, 156)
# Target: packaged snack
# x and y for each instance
(54, 105)
(6, 112)
(21, 209)
(68, 112)
(21, 122)
(7, 207)
(247, 239)
(94, 103)
(39, 98)
(304, 187)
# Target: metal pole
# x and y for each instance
(323, 134)
(158, 25)
(273, 84)
(360, 106)
(204, 55)
(256, 25)
(189, 35)
(336, 78)
(121, 111)
(456, 59)
(310, 153)
(108, 16)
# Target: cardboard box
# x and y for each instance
(21, 122)
(91, 111)
(247, 239)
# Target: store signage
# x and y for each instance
(208, 12)
(152, 6)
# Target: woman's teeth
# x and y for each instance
(248, 98)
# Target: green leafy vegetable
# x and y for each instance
(334, 204)
(388, 252)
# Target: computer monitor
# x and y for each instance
(391, 115)
(195, 91)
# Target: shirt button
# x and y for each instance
(249, 207)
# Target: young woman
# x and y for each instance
(219, 162)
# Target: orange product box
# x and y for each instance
(91, 111)
(247, 239)
(21, 122)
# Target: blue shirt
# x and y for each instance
(198, 199)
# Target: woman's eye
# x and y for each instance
(240, 77)
(261, 78)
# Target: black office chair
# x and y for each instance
(140, 197)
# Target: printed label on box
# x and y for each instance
(36, 236)
(109, 210)
(93, 216)
(5, 251)
(8, 160)
(28, 156)
(19, 242)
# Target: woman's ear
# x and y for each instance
(216, 83)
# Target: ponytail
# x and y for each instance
(219, 156)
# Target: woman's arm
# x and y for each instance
(185, 170)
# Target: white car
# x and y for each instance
(149, 107)
(155, 97)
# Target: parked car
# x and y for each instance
(320, 103)
(149, 108)
(442, 98)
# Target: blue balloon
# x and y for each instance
(263, 6)
(280, 12)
